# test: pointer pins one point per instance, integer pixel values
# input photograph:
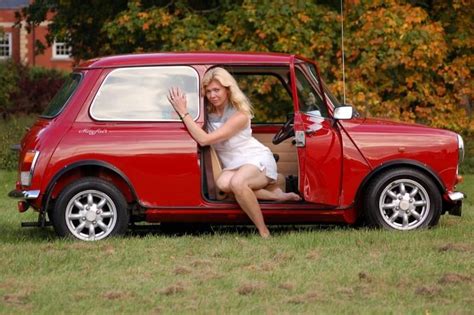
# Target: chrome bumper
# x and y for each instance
(456, 196)
(24, 194)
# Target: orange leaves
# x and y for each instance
(360, 97)
(416, 16)
(440, 90)
(266, 87)
(410, 81)
(403, 58)
(376, 41)
(142, 15)
(123, 19)
(400, 62)
(165, 19)
(303, 18)
(261, 34)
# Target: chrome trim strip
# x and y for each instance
(33, 164)
(25, 194)
(455, 196)
(461, 150)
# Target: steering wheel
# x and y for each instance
(286, 131)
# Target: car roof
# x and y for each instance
(180, 58)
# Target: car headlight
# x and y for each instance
(460, 149)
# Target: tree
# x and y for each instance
(401, 66)
(79, 23)
(409, 60)
(85, 25)
(306, 29)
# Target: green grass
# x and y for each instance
(299, 270)
(11, 132)
(467, 166)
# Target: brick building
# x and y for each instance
(16, 43)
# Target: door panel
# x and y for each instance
(320, 152)
(320, 158)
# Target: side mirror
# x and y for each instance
(343, 112)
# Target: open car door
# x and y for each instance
(318, 141)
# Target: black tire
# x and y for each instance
(104, 210)
(419, 206)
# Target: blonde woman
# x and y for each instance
(248, 165)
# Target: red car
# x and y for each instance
(109, 151)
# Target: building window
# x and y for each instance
(5, 45)
(61, 50)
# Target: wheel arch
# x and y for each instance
(393, 165)
(95, 168)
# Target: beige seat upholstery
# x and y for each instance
(288, 163)
(216, 171)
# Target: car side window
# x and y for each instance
(139, 94)
(309, 99)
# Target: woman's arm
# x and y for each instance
(234, 124)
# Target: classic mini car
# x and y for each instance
(109, 151)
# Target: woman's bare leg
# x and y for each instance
(276, 194)
(248, 184)
(223, 181)
(273, 192)
(269, 192)
(243, 183)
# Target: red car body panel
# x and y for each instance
(150, 156)
(320, 160)
(188, 59)
(381, 141)
(158, 164)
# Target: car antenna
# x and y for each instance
(342, 48)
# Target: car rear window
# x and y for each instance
(140, 94)
(61, 98)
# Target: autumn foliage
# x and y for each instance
(403, 66)
(405, 60)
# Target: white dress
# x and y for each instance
(242, 148)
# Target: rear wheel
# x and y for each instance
(402, 199)
(90, 209)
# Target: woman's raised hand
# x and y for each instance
(177, 99)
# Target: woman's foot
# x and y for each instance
(282, 196)
(264, 233)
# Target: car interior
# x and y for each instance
(269, 91)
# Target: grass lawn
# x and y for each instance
(299, 270)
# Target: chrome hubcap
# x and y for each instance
(404, 204)
(91, 215)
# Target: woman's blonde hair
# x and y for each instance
(236, 97)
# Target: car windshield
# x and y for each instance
(61, 98)
(331, 96)
(335, 102)
(312, 69)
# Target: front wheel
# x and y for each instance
(402, 199)
(90, 209)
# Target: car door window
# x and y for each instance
(309, 99)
